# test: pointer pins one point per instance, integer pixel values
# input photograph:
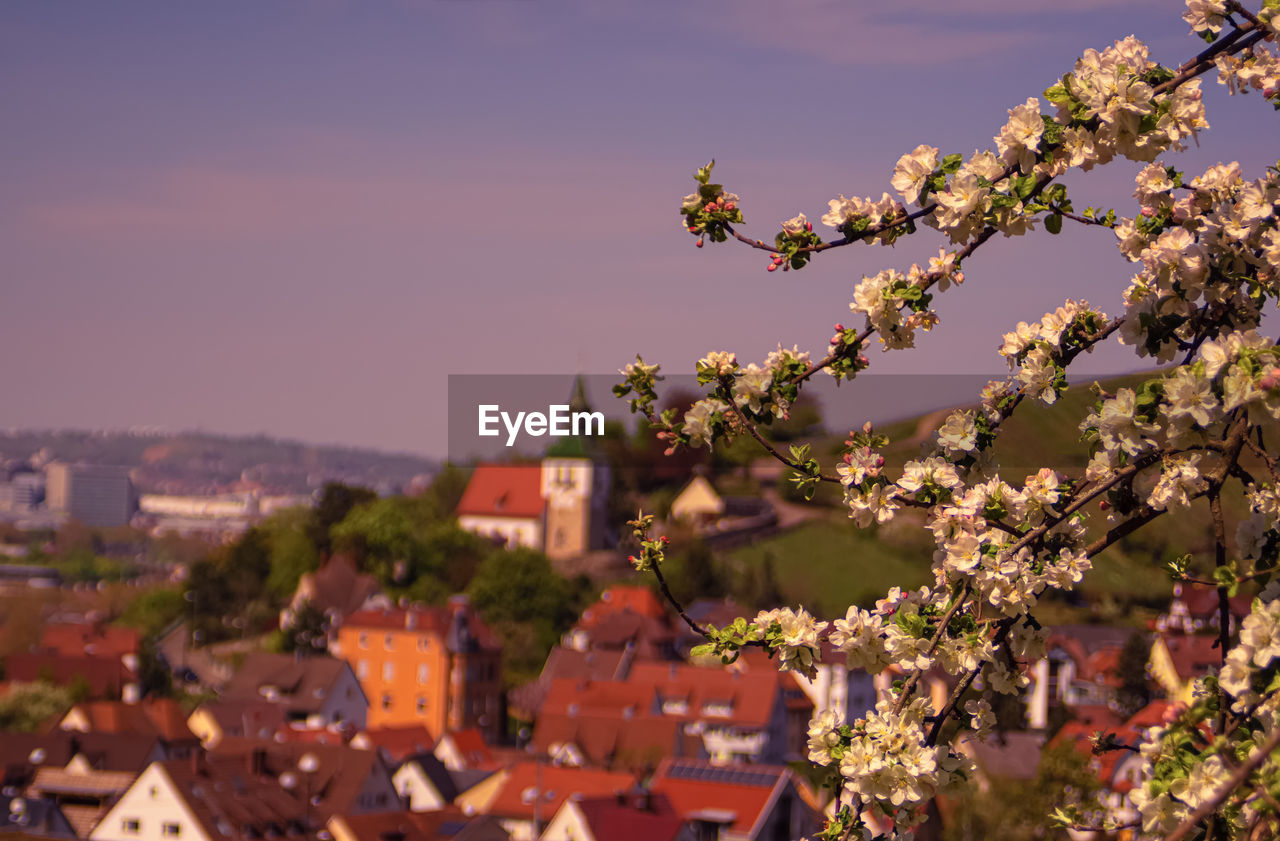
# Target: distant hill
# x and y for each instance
(201, 462)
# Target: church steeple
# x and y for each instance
(578, 400)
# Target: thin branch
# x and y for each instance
(1226, 789)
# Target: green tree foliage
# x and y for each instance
(308, 632)
(336, 501)
(447, 487)
(154, 610)
(28, 706)
(1135, 690)
(526, 602)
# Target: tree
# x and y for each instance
(307, 633)
(1135, 688)
(336, 501)
(1208, 249)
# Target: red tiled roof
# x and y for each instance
(700, 787)
(637, 816)
(160, 716)
(524, 782)
(1202, 602)
(470, 743)
(504, 490)
(399, 743)
(1192, 656)
(638, 600)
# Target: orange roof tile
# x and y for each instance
(503, 490)
(529, 782)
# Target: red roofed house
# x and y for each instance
(555, 506)
(739, 803)
(434, 667)
(635, 816)
(1194, 609)
(532, 792)
(669, 710)
(159, 717)
(101, 657)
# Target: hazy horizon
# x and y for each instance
(298, 219)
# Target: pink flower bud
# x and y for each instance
(866, 427)
(835, 340)
(959, 276)
(773, 267)
(808, 226)
(839, 328)
(699, 242)
(1270, 380)
(1104, 505)
(730, 206)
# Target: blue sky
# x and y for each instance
(299, 217)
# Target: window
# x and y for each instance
(132, 826)
(386, 700)
(423, 673)
(388, 643)
(364, 640)
(388, 671)
(424, 643)
(421, 705)
(362, 669)
(171, 830)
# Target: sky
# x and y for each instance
(300, 217)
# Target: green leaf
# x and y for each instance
(1053, 223)
(951, 163)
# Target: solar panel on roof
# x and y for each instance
(719, 774)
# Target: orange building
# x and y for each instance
(439, 667)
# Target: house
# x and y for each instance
(424, 783)
(1013, 755)
(531, 793)
(80, 773)
(317, 691)
(161, 718)
(625, 618)
(436, 667)
(198, 800)
(525, 700)
(445, 825)
(849, 691)
(395, 743)
(214, 721)
(100, 659)
(1176, 660)
(637, 815)
(1079, 667)
(675, 710)
(698, 503)
(337, 590)
(340, 779)
(464, 750)
(739, 803)
(556, 506)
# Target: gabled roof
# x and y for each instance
(34, 817)
(619, 599)
(1201, 602)
(396, 743)
(470, 745)
(636, 816)
(698, 497)
(448, 823)
(230, 804)
(255, 718)
(436, 620)
(741, 794)
(503, 490)
(303, 684)
(161, 717)
(530, 783)
(340, 775)
(337, 587)
(1192, 656)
